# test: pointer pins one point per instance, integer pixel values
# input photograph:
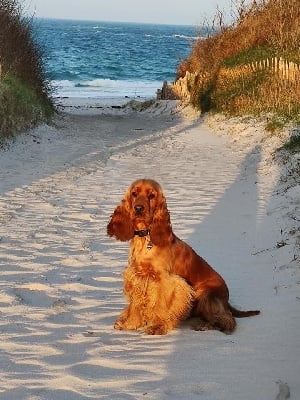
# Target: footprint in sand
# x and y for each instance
(40, 296)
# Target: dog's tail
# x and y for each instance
(242, 314)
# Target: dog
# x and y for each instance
(166, 281)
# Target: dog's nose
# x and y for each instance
(139, 209)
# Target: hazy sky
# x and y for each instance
(184, 12)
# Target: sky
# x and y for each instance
(182, 12)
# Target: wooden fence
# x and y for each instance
(286, 72)
(284, 69)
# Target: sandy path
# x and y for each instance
(61, 287)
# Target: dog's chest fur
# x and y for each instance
(146, 258)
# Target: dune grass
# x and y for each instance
(20, 106)
(263, 30)
(25, 93)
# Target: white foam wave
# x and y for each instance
(176, 36)
(106, 88)
(97, 83)
(186, 37)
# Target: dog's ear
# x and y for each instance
(120, 225)
(161, 233)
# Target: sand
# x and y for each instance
(230, 196)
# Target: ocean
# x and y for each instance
(88, 59)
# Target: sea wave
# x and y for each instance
(105, 88)
(100, 59)
(173, 36)
(185, 37)
(101, 83)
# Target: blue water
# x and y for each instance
(105, 59)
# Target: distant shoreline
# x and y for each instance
(89, 104)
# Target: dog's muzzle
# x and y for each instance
(139, 209)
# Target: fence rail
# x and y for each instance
(286, 72)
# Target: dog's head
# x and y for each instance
(143, 208)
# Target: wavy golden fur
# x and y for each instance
(165, 281)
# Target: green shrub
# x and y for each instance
(25, 93)
(249, 56)
(20, 106)
(274, 124)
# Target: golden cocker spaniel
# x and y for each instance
(165, 281)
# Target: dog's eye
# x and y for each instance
(151, 196)
(134, 194)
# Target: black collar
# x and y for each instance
(143, 232)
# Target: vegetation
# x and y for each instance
(24, 89)
(293, 145)
(241, 69)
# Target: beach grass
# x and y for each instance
(250, 67)
(25, 94)
(20, 106)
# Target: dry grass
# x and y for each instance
(267, 24)
(265, 29)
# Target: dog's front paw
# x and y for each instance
(128, 324)
(157, 330)
(119, 324)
